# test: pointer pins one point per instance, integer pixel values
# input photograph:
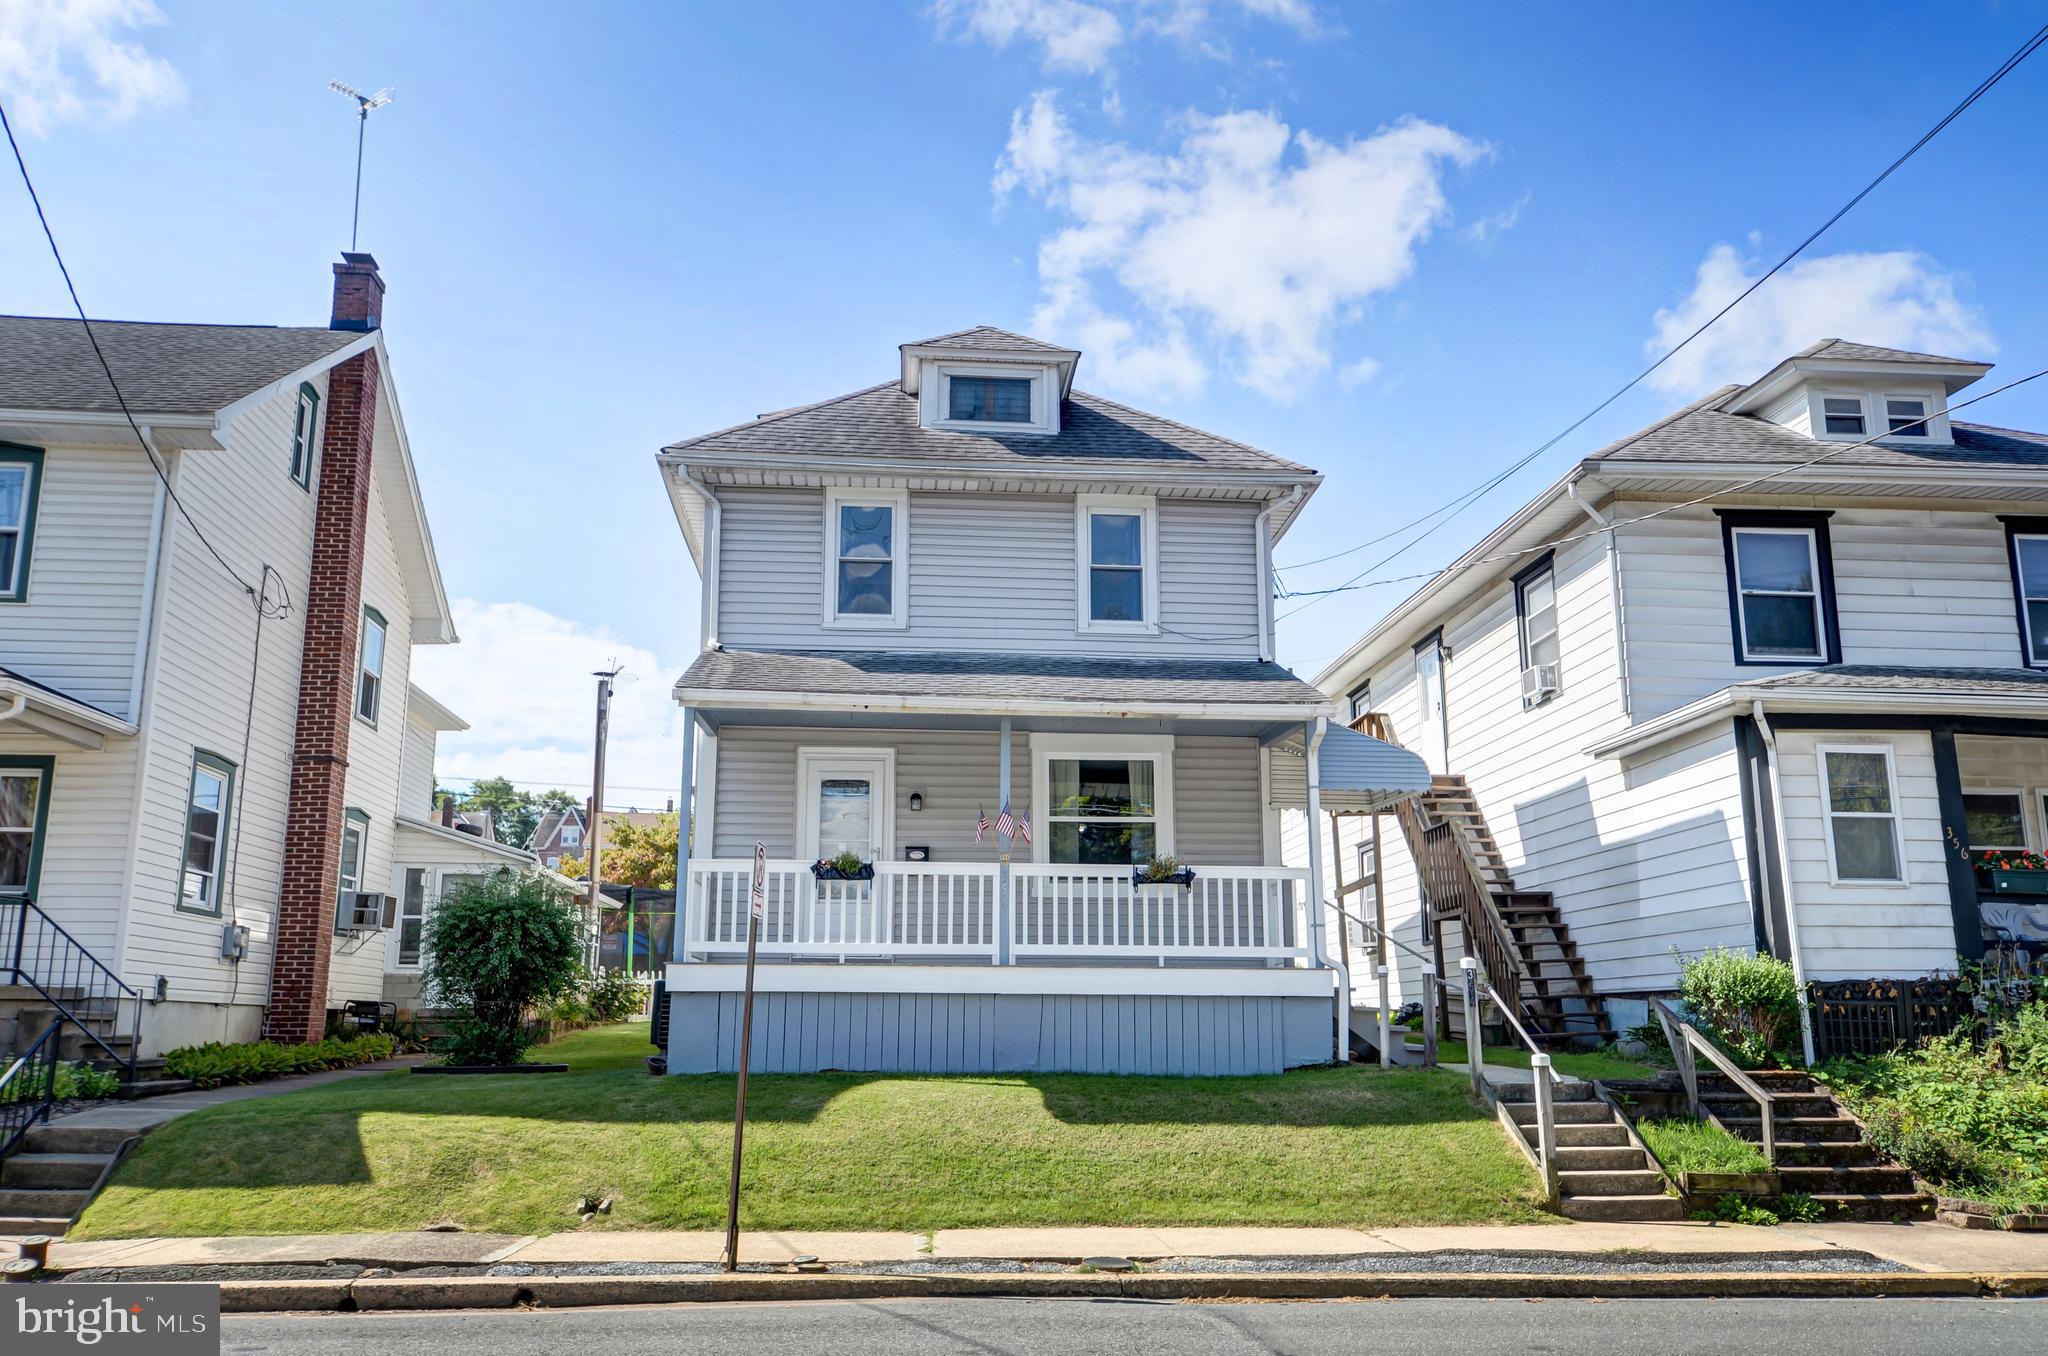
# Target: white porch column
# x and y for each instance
(678, 951)
(1003, 903)
(1318, 899)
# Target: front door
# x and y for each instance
(1432, 741)
(847, 804)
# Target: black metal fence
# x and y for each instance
(1872, 1016)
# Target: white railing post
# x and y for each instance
(1386, 1023)
(1472, 1050)
(1546, 1124)
(1429, 1011)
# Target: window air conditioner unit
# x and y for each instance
(371, 912)
(1540, 682)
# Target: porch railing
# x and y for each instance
(951, 910)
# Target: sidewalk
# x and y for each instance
(1917, 1247)
(150, 1112)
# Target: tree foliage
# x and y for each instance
(495, 949)
(635, 854)
(1750, 1002)
(515, 814)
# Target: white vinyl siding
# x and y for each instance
(416, 771)
(987, 573)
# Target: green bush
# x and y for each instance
(1684, 1145)
(1750, 1003)
(610, 996)
(218, 1064)
(75, 1083)
(496, 950)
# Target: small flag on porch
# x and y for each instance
(1004, 825)
(981, 825)
(1024, 826)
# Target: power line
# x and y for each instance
(1317, 595)
(147, 451)
(2025, 50)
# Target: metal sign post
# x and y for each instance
(757, 905)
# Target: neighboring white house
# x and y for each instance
(973, 592)
(1745, 679)
(183, 761)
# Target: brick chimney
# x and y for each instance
(358, 293)
(327, 674)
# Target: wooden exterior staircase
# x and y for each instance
(1518, 936)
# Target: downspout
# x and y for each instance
(707, 631)
(1763, 725)
(1261, 529)
(15, 706)
(1606, 524)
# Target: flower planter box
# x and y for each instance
(866, 871)
(1180, 879)
(2020, 882)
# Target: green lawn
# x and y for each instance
(1588, 1064)
(1354, 1147)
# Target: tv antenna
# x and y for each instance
(364, 103)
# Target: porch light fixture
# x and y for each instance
(916, 800)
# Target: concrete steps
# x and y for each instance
(60, 1172)
(1601, 1173)
(1821, 1151)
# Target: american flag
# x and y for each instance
(1024, 826)
(1004, 824)
(981, 825)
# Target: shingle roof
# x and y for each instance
(882, 421)
(47, 363)
(998, 677)
(1872, 353)
(25, 681)
(989, 338)
(1701, 433)
(1876, 677)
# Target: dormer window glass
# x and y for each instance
(1843, 415)
(1905, 416)
(989, 400)
(865, 555)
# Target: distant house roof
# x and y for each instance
(997, 678)
(47, 363)
(1704, 433)
(882, 422)
(989, 339)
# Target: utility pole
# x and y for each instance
(595, 829)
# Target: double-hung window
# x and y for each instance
(1995, 822)
(412, 916)
(1536, 626)
(24, 816)
(1119, 577)
(21, 471)
(207, 805)
(1102, 810)
(1842, 416)
(1860, 798)
(305, 434)
(355, 840)
(1906, 417)
(2027, 542)
(370, 678)
(866, 558)
(1780, 587)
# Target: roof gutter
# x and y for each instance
(727, 699)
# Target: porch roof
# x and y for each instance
(1877, 689)
(1357, 773)
(888, 680)
(38, 708)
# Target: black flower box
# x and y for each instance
(827, 871)
(1183, 877)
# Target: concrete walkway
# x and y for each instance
(150, 1112)
(1921, 1247)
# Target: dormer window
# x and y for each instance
(1905, 416)
(994, 400)
(1842, 416)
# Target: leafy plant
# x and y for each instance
(217, 1064)
(1161, 870)
(1749, 1002)
(74, 1083)
(1684, 1145)
(2013, 861)
(1734, 1209)
(497, 949)
(1796, 1207)
(611, 996)
(845, 863)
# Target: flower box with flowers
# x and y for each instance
(2016, 873)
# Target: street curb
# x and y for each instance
(568, 1292)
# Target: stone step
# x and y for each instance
(43, 1203)
(1890, 1205)
(1725, 1105)
(1578, 1158)
(1610, 1182)
(1876, 1179)
(21, 1226)
(60, 1138)
(1563, 1113)
(53, 1171)
(154, 1087)
(1846, 1153)
(1609, 1136)
(1788, 1129)
(1623, 1209)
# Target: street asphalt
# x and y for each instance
(997, 1327)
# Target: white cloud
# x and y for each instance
(70, 60)
(1896, 298)
(1250, 237)
(1085, 35)
(1359, 373)
(1490, 227)
(522, 679)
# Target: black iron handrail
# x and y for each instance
(69, 977)
(28, 1090)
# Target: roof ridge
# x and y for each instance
(1190, 428)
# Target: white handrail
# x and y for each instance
(1685, 1039)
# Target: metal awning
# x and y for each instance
(1359, 774)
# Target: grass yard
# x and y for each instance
(1350, 1147)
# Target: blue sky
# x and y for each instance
(1401, 243)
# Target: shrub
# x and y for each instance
(610, 996)
(217, 1064)
(497, 949)
(1750, 1002)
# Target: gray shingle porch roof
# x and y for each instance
(1000, 677)
(1884, 678)
(882, 422)
(47, 363)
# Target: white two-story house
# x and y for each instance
(1002, 642)
(1768, 673)
(214, 770)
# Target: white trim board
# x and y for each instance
(1106, 980)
